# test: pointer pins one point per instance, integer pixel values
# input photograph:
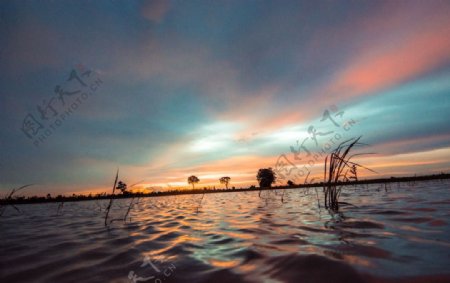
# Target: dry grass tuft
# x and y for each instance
(339, 169)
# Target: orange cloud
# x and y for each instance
(241, 169)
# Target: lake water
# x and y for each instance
(397, 233)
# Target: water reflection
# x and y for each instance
(243, 237)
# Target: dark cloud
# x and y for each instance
(182, 77)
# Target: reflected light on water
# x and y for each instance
(236, 236)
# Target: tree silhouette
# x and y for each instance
(266, 177)
(193, 180)
(290, 183)
(122, 187)
(225, 180)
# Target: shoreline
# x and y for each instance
(61, 199)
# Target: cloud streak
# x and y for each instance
(221, 88)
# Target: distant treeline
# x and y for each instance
(61, 198)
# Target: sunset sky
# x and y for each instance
(218, 88)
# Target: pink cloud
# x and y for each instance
(31, 45)
(402, 145)
(155, 10)
(402, 44)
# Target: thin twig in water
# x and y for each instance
(112, 197)
(129, 208)
(282, 196)
(8, 200)
(60, 206)
(306, 179)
